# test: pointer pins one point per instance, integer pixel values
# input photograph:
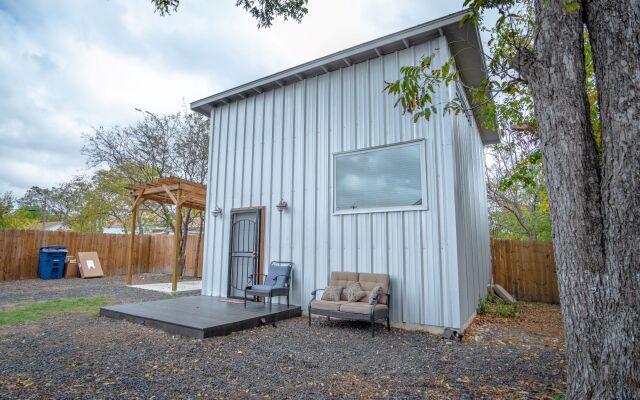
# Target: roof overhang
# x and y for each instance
(464, 42)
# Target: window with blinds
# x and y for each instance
(380, 179)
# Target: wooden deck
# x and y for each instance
(200, 316)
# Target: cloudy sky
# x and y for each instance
(66, 66)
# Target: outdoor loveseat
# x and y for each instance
(335, 301)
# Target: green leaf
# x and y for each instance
(573, 7)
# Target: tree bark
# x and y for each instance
(614, 33)
(555, 70)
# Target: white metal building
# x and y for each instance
(365, 188)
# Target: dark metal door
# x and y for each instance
(244, 248)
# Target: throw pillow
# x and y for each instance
(332, 293)
(354, 292)
(374, 293)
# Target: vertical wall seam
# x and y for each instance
(293, 168)
(329, 180)
(272, 158)
(304, 185)
(342, 139)
(260, 193)
(224, 197)
(253, 146)
(243, 163)
(315, 180)
(355, 138)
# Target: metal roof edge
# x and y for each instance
(321, 65)
(338, 56)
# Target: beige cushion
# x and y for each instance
(369, 281)
(343, 279)
(354, 292)
(327, 305)
(332, 293)
(360, 307)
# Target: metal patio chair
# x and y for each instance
(275, 283)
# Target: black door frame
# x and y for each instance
(258, 246)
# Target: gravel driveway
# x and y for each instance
(74, 356)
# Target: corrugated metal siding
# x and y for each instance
(474, 259)
(279, 145)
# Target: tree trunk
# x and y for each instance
(556, 74)
(614, 33)
(140, 223)
(186, 221)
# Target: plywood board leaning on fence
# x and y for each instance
(89, 265)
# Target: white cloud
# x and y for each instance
(66, 66)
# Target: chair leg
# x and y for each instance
(245, 300)
(328, 318)
(373, 328)
(270, 303)
(309, 316)
(388, 324)
(287, 301)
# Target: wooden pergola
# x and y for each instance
(174, 191)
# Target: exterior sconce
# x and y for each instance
(281, 206)
(216, 212)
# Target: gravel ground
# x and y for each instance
(113, 286)
(74, 356)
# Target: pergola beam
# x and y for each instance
(166, 189)
(154, 190)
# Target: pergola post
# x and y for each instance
(176, 240)
(132, 239)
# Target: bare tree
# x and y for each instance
(157, 146)
(518, 200)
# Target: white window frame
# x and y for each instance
(423, 179)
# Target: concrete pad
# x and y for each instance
(183, 286)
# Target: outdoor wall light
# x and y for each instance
(216, 212)
(281, 206)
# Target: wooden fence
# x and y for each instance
(527, 269)
(19, 252)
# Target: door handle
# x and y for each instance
(254, 255)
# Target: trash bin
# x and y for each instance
(52, 262)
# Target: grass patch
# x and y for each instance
(45, 309)
(493, 305)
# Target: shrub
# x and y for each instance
(484, 306)
(494, 305)
(507, 310)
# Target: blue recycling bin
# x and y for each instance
(52, 262)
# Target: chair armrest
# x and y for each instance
(383, 294)
(377, 300)
(286, 277)
(313, 294)
(250, 278)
